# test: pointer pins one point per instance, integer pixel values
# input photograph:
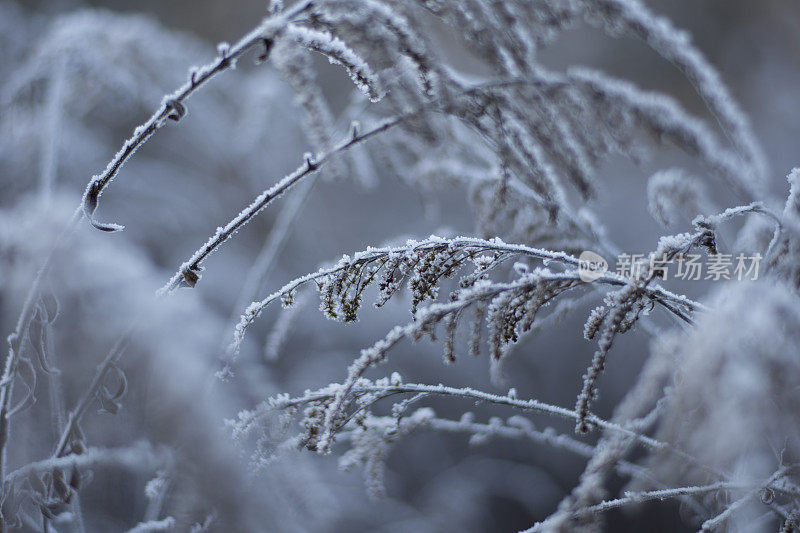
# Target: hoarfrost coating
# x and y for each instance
(532, 141)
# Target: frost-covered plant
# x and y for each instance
(734, 384)
(528, 144)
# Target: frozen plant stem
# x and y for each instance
(17, 337)
(76, 414)
(469, 244)
(171, 104)
(527, 145)
(476, 395)
(189, 271)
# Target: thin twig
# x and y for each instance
(80, 408)
(442, 390)
(269, 28)
(188, 272)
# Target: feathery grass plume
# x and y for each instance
(735, 371)
(366, 394)
(422, 265)
(373, 23)
(675, 46)
(337, 52)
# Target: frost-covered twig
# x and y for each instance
(134, 456)
(71, 431)
(467, 245)
(631, 498)
(245, 421)
(189, 271)
(753, 491)
(172, 106)
(528, 145)
(519, 427)
(318, 122)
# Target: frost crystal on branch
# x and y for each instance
(457, 101)
(337, 52)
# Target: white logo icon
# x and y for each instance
(591, 266)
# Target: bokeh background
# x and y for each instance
(113, 61)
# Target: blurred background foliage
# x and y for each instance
(242, 134)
